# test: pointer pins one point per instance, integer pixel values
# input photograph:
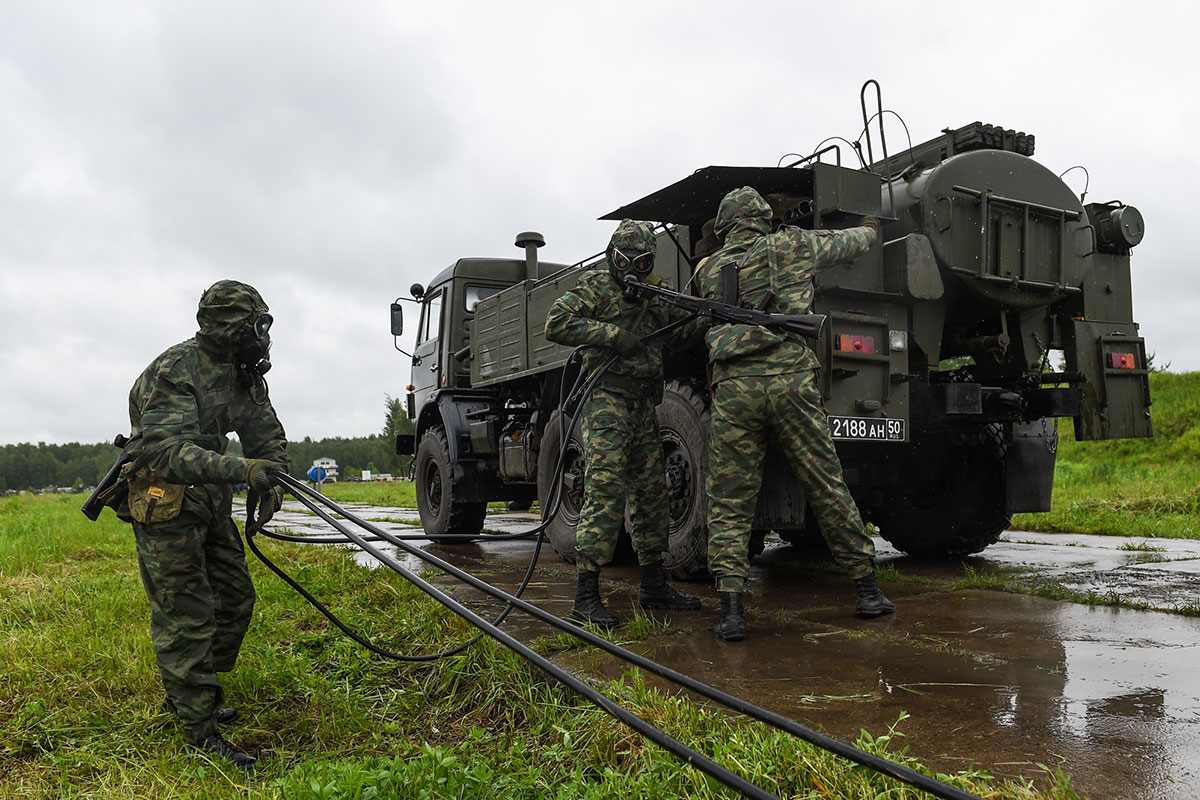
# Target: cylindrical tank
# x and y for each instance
(1002, 226)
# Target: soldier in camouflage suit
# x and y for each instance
(764, 389)
(623, 451)
(180, 495)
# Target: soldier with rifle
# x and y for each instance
(765, 389)
(623, 452)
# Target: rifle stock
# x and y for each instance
(110, 491)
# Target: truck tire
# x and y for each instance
(561, 528)
(952, 501)
(446, 519)
(683, 425)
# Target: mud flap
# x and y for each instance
(1029, 466)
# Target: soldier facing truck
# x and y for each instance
(764, 388)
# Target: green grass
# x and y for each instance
(399, 494)
(1132, 487)
(80, 696)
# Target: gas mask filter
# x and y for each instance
(253, 349)
(630, 263)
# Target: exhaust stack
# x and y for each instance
(531, 241)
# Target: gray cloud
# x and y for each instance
(333, 155)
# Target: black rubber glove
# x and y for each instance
(629, 345)
(269, 496)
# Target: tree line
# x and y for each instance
(38, 466)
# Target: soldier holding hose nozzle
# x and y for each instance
(764, 389)
(180, 499)
(623, 451)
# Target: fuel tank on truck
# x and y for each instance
(1002, 227)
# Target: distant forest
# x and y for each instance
(76, 466)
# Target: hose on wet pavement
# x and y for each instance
(325, 508)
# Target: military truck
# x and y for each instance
(994, 304)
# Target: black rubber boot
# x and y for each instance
(871, 601)
(655, 592)
(732, 627)
(217, 745)
(222, 716)
(588, 605)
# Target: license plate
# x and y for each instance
(867, 429)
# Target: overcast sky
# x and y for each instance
(331, 154)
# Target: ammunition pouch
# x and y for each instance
(152, 500)
(732, 340)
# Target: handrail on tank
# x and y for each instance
(862, 97)
(817, 155)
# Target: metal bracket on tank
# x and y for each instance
(985, 198)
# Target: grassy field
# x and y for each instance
(1132, 487)
(80, 697)
(80, 694)
(400, 494)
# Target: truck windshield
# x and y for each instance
(473, 293)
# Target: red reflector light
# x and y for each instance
(1122, 361)
(855, 344)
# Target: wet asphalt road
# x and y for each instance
(1001, 681)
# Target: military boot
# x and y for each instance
(217, 745)
(655, 592)
(732, 627)
(871, 601)
(588, 605)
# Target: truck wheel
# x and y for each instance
(952, 500)
(441, 513)
(561, 530)
(683, 426)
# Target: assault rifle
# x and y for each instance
(807, 325)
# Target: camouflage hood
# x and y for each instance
(743, 210)
(632, 234)
(225, 311)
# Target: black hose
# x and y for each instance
(686, 754)
(877, 763)
(329, 615)
(555, 499)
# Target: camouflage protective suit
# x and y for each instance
(765, 388)
(189, 551)
(623, 451)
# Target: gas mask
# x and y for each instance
(253, 348)
(625, 263)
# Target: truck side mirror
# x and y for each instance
(417, 291)
(397, 319)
